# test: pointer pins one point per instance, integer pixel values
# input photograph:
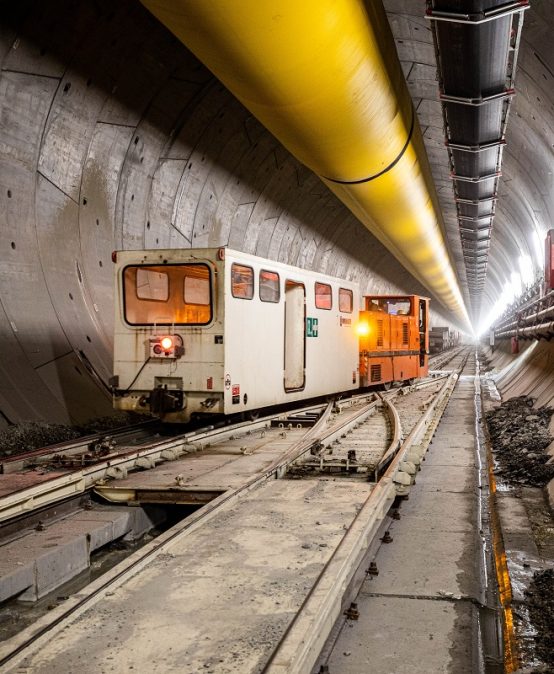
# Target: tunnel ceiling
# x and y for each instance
(112, 135)
(525, 190)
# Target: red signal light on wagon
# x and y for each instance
(362, 328)
(168, 346)
(167, 343)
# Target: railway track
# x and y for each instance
(42, 477)
(368, 448)
(33, 480)
(441, 360)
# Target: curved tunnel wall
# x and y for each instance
(113, 136)
(525, 208)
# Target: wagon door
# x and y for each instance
(423, 331)
(295, 336)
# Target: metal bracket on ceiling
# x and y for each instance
(475, 229)
(480, 179)
(478, 218)
(474, 148)
(477, 18)
(477, 251)
(475, 202)
(474, 241)
(478, 100)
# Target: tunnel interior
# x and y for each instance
(114, 136)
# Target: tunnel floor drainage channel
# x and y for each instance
(20, 611)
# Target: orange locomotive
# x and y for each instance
(394, 339)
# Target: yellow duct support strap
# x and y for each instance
(324, 78)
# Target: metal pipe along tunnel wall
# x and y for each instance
(324, 77)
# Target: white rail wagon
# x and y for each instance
(214, 330)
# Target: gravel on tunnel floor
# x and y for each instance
(520, 437)
(29, 435)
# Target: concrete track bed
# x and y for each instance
(421, 613)
(220, 598)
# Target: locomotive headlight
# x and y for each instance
(362, 328)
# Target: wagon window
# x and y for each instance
(346, 300)
(376, 304)
(176, 294)
(399, 306)
(269, 286)
(323, 296)
(196, 290)
(196, 294)
(152, 285)
(242, 281)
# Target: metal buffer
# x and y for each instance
(477, 43)
(324, 78)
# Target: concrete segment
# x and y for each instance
(400, 635)
(36, 562)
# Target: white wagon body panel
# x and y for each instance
(237, 361)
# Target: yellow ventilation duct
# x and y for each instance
(324, 78)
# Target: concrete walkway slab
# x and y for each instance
(405, 638)
(434, 563)
(37, 562)
(440, 478)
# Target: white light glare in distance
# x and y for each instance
(527, 270)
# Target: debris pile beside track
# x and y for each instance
(520, 436)
(485, 363)
(541, 610)
(30, 435)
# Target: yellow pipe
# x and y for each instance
(324, 78)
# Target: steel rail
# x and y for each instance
(396, 441)
(13, 651)
(78, 480)
(304, 639)
(117, 464)
(16, 462)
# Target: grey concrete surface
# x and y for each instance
(34, 563)
(418, 615)
(219, 598)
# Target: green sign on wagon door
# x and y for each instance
(311, 327)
